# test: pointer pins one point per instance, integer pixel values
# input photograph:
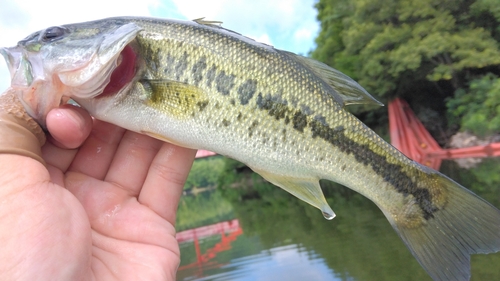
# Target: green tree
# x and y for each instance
(205, 172)
(203, 209)
(477, 108)
(330, 45)
(424, 51)
(400, 47)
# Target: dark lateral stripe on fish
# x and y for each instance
(247, 90)
(391, 173)
(224, 82)
(275, 107)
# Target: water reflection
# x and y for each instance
(288, 262)
(227, 231)
(281, 238)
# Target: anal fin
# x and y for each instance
(306, 189)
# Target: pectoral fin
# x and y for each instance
(177, 99)
(306, 189)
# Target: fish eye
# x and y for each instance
(53, 33)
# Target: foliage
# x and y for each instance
(205, 172)
(203, 209)
(207, 207)
(421, 50)
(483, 179)
(477, 109)
(385, 42)
(229, 171)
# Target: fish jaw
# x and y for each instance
(13, 58)
(26, 79)
(46, 74)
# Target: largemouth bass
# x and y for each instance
(201, 86)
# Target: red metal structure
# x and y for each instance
(228, 231)
(410, 137)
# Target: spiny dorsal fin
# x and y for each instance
(349, 90)
(211, 23)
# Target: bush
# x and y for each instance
(477, 109)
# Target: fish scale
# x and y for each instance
(201, 86)
(302, 88)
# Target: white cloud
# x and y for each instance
(303, 33)
(264, 38)
(286, 24)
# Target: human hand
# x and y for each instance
(103, 211)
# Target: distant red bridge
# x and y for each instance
(409, 135)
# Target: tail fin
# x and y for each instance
(466, 225)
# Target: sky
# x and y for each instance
(286, 24)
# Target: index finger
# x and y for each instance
(165, 180)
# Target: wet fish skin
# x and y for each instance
(201, 86)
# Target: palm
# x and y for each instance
(109, 211)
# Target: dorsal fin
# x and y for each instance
(211, 23)
(350, 91)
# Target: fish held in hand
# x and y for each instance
(201, 86)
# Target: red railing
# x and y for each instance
(409, 135)
(228, 231)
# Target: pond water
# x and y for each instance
(260, 232)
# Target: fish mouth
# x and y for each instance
(22, 74)
(26, 76)
(114, 73)
(12, 57)
(122, 73)
(81, 68)
(19, 65)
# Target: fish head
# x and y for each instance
(51, 66)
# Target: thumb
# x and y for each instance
(69, 126)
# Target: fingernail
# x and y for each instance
(72, 116)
